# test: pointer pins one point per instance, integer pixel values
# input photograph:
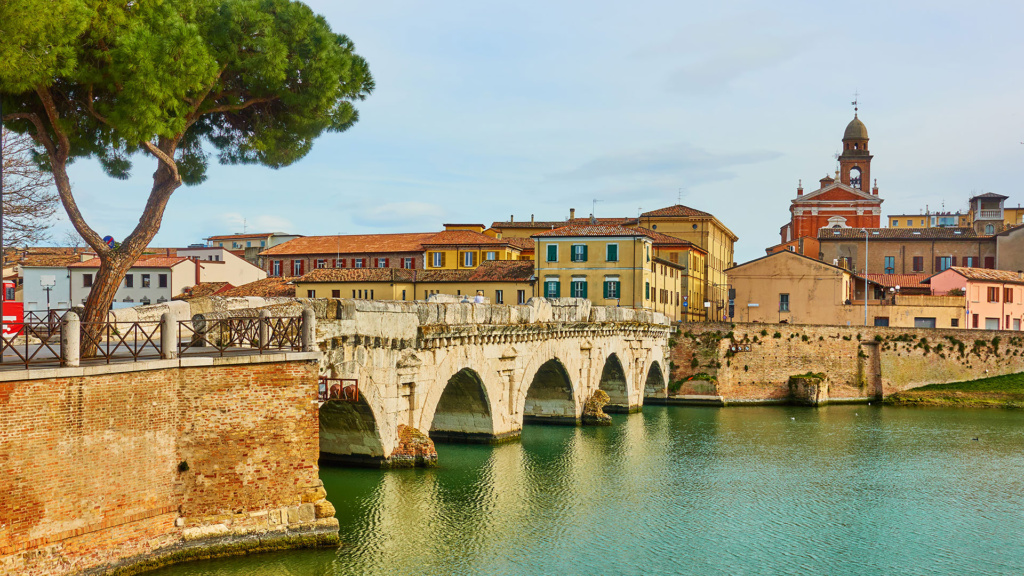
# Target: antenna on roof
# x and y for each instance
(593, 210)
(679, 196)
(856, 99)
(245, 226)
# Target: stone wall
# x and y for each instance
(754, 362)
(147, 463)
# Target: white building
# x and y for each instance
(153, 280)
(221, 265)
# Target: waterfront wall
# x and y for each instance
(753, 362)
(139, 464)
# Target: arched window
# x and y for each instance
(990, 229)
(855, 177)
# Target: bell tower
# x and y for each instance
(855, 161)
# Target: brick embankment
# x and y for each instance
(753, 363)
(107, 470)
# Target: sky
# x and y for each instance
(485, 110)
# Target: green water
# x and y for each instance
(843, 490)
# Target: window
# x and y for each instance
(321, 263)
(974, 320)
(579, 253)
(499, 297)
(552, 288)
(990, 229)
(248, 244)
(161, 280)
(783, 302)
(382, 262)
(943, 263)
(890, 264)
(87, 280)
(993, 294)
(520, 296)
(437, 259)
(647, 290)
(612, 253)
(263, 243)
(1008, 295)
(310, 293)
(918, 263)
(492, 255)
(407, 263)
(403, 294)
(924, 322)
(970, 261)
(910, 222)
(357, 262)
(990, 262)
(552, 253)
(129, 281)
(991, 323)
(469, 259)
(881, 320)
(647, 250)
(276, 268)
(611, 288)
(954, 323)
(145, 281)
(895, 223)
(296, 267)
(578, 288)
(335, 293)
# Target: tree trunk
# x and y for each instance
(113, 268)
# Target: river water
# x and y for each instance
(841, 490)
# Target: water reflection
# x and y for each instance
(837, 490)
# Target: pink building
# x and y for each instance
(994, 298)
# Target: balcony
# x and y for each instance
(990, 214)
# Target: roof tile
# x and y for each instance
(896, 233)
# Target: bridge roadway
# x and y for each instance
(477, 372)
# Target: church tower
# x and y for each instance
(855, 161)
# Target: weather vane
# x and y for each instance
(856, 98)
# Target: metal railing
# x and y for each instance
(199, 336)
(122, 340)
(330, 389)
(51, 318)
(31, 343)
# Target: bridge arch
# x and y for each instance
(615, 383)
(550, 397)
(655, 384)
(462, 411)
(350, 434)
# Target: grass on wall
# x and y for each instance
(996, 392)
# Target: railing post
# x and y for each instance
(264, 330)
(308, 330)
(168, 336)
(71, 340)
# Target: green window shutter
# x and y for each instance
(558, 289)
(584, 259)
(647, 290)
(552, 253)
(607, 289)
(613, 252)
(584, 283)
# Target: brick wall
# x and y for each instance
(859, 362)
(112, 469)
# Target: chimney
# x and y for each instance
(799, 187)
(199, 269)
(531, 218)
(512, 218)
(1020, 274)
(592, 219)
(572, 213)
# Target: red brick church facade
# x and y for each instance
(845, 201)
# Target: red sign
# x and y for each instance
(14, 312)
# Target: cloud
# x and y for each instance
(394, 214)
(684, 162)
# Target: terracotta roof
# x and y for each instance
(660, 239)
(267, 287)
(328, 275)
(615, 221)
(546, 224)
(901, 280)
(51, 260)
(489, 271)
(898, 234)
(203, 289)
(988, 275)
(677, 210)
(521, 243)
(143, 262)
(351, 244)
(462, 238)
(252, 235)
(989, 196)
(595, 230)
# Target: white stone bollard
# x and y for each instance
(264, 321)
(71, 340)
(168, 336)
(308, 330)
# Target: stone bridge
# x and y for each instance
(477, 372)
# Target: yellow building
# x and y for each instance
(929, 220)
(609, 265)
(706, 232)
(500, 281)
(464, 249)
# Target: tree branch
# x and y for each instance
(164, 158)
(236, 107)
(40, 136)
(51, 112)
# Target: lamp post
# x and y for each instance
(865, 230)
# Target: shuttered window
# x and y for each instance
(552, 253)
(613, 253)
